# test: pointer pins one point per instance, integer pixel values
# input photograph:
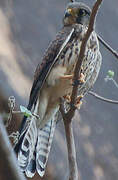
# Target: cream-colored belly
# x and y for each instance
(56, 86)
(53, 89)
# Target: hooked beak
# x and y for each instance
(67, 14)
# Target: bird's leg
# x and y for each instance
(80, 80)
(67, 77)
(72, 82)
(67, 98)
(78, 101)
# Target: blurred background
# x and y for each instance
(26, 28)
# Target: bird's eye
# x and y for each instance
(82, 12)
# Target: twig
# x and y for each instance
(67, 117)
(8, 162)
(107, 78)
(108, 46)
(19, 112)
(102, 98)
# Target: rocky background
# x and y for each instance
(26, 28)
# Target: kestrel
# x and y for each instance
(52, 81)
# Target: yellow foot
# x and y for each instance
(67, 98)
(82, 78)
(79, 81)
(70, 77)
(78, 102)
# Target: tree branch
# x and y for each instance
(73, 170)
(8, 162)
(71, 151)
(108, 46)
(67, 117)
(102, 98)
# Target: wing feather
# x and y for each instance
(41, 73)
(51, 56)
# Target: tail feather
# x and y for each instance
(34, 144)
(26, 155)
(45, 136)
(31, 168)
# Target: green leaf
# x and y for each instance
(110, 74)
(25, 111)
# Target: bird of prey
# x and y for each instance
(52, 81)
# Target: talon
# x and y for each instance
(67, 98)
(79, 98)
(82, 78)
(79, 81)
(78, 102)
(78, 105)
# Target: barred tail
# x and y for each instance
(27, 145)
(45, 137)
(35, 144)
(35, 148)
(26, 154)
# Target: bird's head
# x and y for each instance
(77, 13)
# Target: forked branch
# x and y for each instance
(108, 47)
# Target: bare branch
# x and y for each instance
(108, 46)
(102, 98)
(67, 117)
(71, 151)
(73, 170)
(8, 162)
